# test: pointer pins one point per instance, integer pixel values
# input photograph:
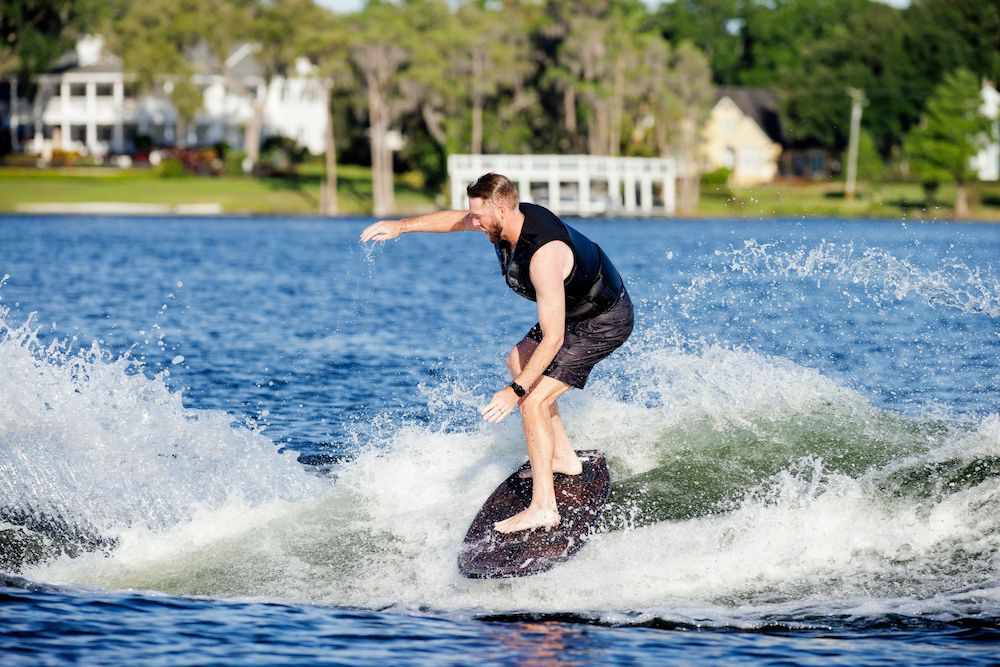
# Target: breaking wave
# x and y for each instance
(746, 488)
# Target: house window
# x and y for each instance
(77, 90)
(729, 158)
(817, 164)
(47, 131)
(78, 133)
(104, 133)
(203, 134)
(105, 90)
(128, 91)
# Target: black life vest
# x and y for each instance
(592, 286)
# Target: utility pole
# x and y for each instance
(857, 102)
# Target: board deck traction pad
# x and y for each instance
(487, 554)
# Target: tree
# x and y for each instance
(680, 104)
(714, 26)
(34, 33)
(810, 51)
(467, 84)
(864, 50)
(275, 29)
(778, 34)
(153, 38)
(159, 37)
(599, 66)
(380, 49)
(944, 35)
(951, 131)
(871, 166)
(627, 43)
(324, 42)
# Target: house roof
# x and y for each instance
(89, 56)
(240, 63)
(759, 104)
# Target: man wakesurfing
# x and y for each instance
(584, 314)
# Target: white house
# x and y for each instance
(87, 103)
(987, 161)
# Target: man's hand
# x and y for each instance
(383, 230)
(503, 403)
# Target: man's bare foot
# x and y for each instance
(528, 519)
(571, 466)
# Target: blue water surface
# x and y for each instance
(325, 347)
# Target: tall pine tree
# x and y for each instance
(951, 131)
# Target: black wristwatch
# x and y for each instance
(518, 389)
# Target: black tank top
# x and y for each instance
(592, 286)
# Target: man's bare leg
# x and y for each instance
(536, 413)
(564, 459)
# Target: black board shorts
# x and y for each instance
(588, 341)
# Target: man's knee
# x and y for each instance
(536, 404)
(542, 399)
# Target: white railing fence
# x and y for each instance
(576, 184)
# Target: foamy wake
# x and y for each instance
(91, 443)
(883, 276)
(746, 488)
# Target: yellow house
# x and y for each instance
(742, 133)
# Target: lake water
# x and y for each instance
(254, 441)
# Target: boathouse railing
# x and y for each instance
(584, 185)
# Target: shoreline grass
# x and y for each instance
(894, 201)
(299, 195)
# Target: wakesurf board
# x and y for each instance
(488, 554)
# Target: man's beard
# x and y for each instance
(493, 231)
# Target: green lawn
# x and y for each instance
(236, 194)
(300, 195)
(890, 200)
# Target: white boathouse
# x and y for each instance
(584, 185)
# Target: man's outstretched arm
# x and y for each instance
(439, 221)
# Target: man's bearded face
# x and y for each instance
(486, 216)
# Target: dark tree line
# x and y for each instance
(812, 50)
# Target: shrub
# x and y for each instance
(234, 163)
(279, 156)
(414, 179)
(143, 143)
(171, 167)
(20, 160)
(718, 176)
(61, 158)
(222, 149)
(200, 161)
